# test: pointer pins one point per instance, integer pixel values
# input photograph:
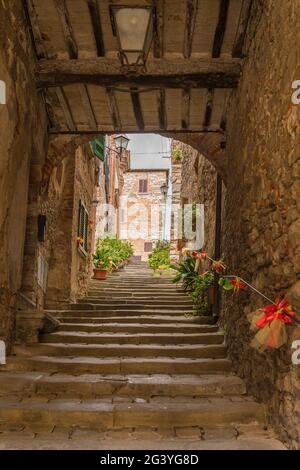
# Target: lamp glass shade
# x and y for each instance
(121, 142)
(134, 28)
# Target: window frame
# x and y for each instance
(142, 182)
(83, 228)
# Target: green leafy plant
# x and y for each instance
(111, 252)
(197, 285)
(177, 154)
(199, 292)
(185, 272)
(160, 257)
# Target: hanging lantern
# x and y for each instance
(133, 27)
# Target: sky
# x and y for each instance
(148, 150)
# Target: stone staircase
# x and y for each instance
(127, 358)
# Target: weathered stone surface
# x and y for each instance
(23, 139)
(261, 223)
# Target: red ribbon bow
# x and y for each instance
(276, 311)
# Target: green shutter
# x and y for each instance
(98, 147)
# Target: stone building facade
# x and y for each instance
(111, 171)
(142, 216)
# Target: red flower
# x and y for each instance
(276, 311)
(238, 284)
(219, 267)
(199, 254)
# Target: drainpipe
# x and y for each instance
(218, 228)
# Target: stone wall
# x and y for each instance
(85, 185)
(262, 220)
(23, 140)
(70, 267)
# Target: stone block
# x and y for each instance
(28, 326)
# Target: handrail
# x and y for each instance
(231, 276)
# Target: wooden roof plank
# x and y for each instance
(66, 108)
(208, 108)
(191, 15)
(67, 29)
(185, 110)
(158, 34)
(162, 114)
(36, 36)
(97, 27)
(137, 109)
(87, 105)
(237, 50)
(221, 28)
(113, 107)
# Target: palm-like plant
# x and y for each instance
(186, 272)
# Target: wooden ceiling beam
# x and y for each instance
(158, 34)
(66, 108)
(208, 109)
(67, 29)
(191, 14)
(210, 73)
(87, 105)
(36, 35)
(238, 46)
(186, 102)
(221, 28)
(113, 108)
(162, 113)
(97, 27)
(137, 109)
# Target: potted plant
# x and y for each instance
(102, 263)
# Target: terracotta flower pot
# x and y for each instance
(100, 273)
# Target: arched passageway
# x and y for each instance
(212, 86)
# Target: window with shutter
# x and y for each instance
(83, 227)
(98, 147)
(143, 186)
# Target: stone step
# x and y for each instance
(133, 297)
(96, 414)
(137, 338)
(96, 385)
(188, 307)
(137, 328)
(149, 319)
(135, 303)
(121, 312)
(126, 350)
(164, 288)
(94, 365)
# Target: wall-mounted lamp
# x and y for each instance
(121, 143)
(164, 190)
